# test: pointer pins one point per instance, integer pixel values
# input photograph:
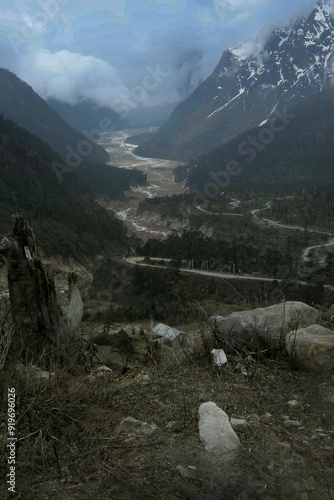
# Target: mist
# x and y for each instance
(109, 57)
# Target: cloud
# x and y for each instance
(205, 16)
(100, 50)
(234, 11)
(240, 4)
(71, 77)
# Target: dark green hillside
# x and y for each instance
(298, 157)
(86, 115)
(19, 102)
(65, 216)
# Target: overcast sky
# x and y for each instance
(128, 53)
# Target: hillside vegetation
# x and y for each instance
(297, 158)
(64, 213)
(20, 103)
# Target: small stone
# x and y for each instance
(286, 447)
(172, 426)
(294, 404)
(130, 426)
(239, 424)
(146, 378)
(44, 376)
(240, 368)
(292, 423)
(330, 398)
(103, 369)
(186, 472)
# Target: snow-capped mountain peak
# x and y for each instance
(250, 81)
(295, 59)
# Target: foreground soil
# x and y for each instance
(68, 449)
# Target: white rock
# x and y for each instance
(312, 348)
(103, 369)
(219, 357)
(294, 404)
(269, 324)
(130, 425)
(216, 431)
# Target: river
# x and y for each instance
(161, 182)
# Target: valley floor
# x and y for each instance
(161, 183)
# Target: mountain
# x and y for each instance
(20, 103)
(86, 115)
(245, 89)
(299, 156)
(64, 213)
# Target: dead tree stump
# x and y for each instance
(40, 325)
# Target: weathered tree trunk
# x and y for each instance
(40, 325)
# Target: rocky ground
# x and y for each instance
(69, 447)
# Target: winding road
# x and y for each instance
(212, 274)
(162, 183)
(306, 252)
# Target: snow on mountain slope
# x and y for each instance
(295, 62)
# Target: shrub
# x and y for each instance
(103, 339)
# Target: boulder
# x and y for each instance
(312, 348)
(34, 372)
(131, 426)
(267, 326)
(215, 430)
